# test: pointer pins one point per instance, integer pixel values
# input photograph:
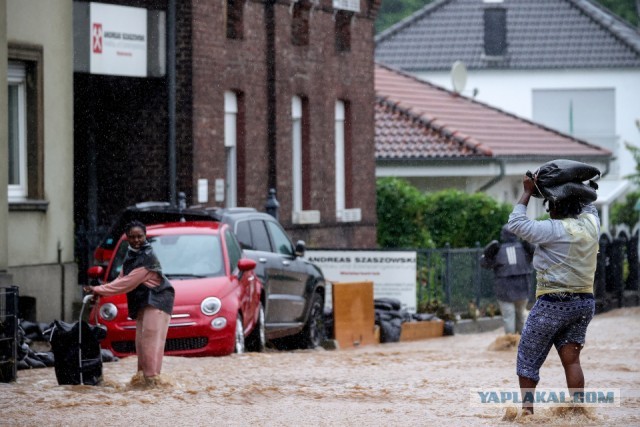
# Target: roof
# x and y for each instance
(419, 120)
(541, 34)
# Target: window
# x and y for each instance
(17, 131)
(342, 156)
(232, 134)
(234, 19)
(233, 249)
(343, 30)
(280, 240)
(25, 124)
(495, 31)
(300, 153)
(589, 114)
(300, 24)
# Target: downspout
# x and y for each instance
(495, 179)
(171, 89)
(270, 25)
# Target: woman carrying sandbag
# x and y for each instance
(565, 264)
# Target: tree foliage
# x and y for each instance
(624, 212)
(408, 218)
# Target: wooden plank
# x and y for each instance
(353, 314)
(412, 331)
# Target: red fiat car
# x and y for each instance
(219, 306)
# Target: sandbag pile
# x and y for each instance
(566, 179)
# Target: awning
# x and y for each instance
(609, 190)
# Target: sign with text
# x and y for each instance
(118, 40)
(393, 273)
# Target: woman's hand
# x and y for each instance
(529, 184)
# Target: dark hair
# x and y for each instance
(135, 224)
(565, 207)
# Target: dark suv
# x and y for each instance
(294, 288)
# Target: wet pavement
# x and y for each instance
(410, 384)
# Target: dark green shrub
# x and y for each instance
(400, 210)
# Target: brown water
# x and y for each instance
(410, 384)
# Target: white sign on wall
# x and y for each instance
(118, 44)
(352, 5)
(393, 273)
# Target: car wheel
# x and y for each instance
(256, 341)
(314, 333)
(239, 346)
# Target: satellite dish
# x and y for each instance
(458, 76)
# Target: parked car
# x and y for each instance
(294, 288)
(219, 299)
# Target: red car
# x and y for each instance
(219, 302)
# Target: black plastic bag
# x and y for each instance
(77, 362)
(562, 179)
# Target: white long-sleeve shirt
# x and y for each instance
(567, 249)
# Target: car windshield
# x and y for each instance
(181, 256)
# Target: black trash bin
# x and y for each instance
(8, 333)
(76, 351)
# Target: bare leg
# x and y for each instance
(139, 329)
(520, 316)
(527, 390)
(151, 342)
(570, 357)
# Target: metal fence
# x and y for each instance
(454, 277)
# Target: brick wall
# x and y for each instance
(128, 117)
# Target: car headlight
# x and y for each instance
(108, 311)
(210, 306)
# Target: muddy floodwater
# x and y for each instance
(405, 384)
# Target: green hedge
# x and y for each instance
(408, 218)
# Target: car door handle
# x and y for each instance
(262, 260)
(287, 263)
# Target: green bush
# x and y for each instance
(400, 210)
(624, 212)
(408, 218)
(462, 219)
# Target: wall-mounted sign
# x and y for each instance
(393, 273)
(352, 5)
(118, 40)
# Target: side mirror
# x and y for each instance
(95, 272)
(300, 248)
(246, 264)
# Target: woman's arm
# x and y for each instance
(123, 284)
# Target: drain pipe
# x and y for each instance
(495, 179)
(62, 280)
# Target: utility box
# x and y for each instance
(353, 314)
(8, 333)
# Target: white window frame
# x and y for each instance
(17, 76)
(296, 154)
(339, 158)
(230, 144)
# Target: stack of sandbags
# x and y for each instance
(566, 179)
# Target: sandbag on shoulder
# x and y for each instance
(585, 194)
(552, 175)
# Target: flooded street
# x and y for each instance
(412, 384)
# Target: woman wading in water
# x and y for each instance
(150, 299)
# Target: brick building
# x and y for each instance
(269, 94)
